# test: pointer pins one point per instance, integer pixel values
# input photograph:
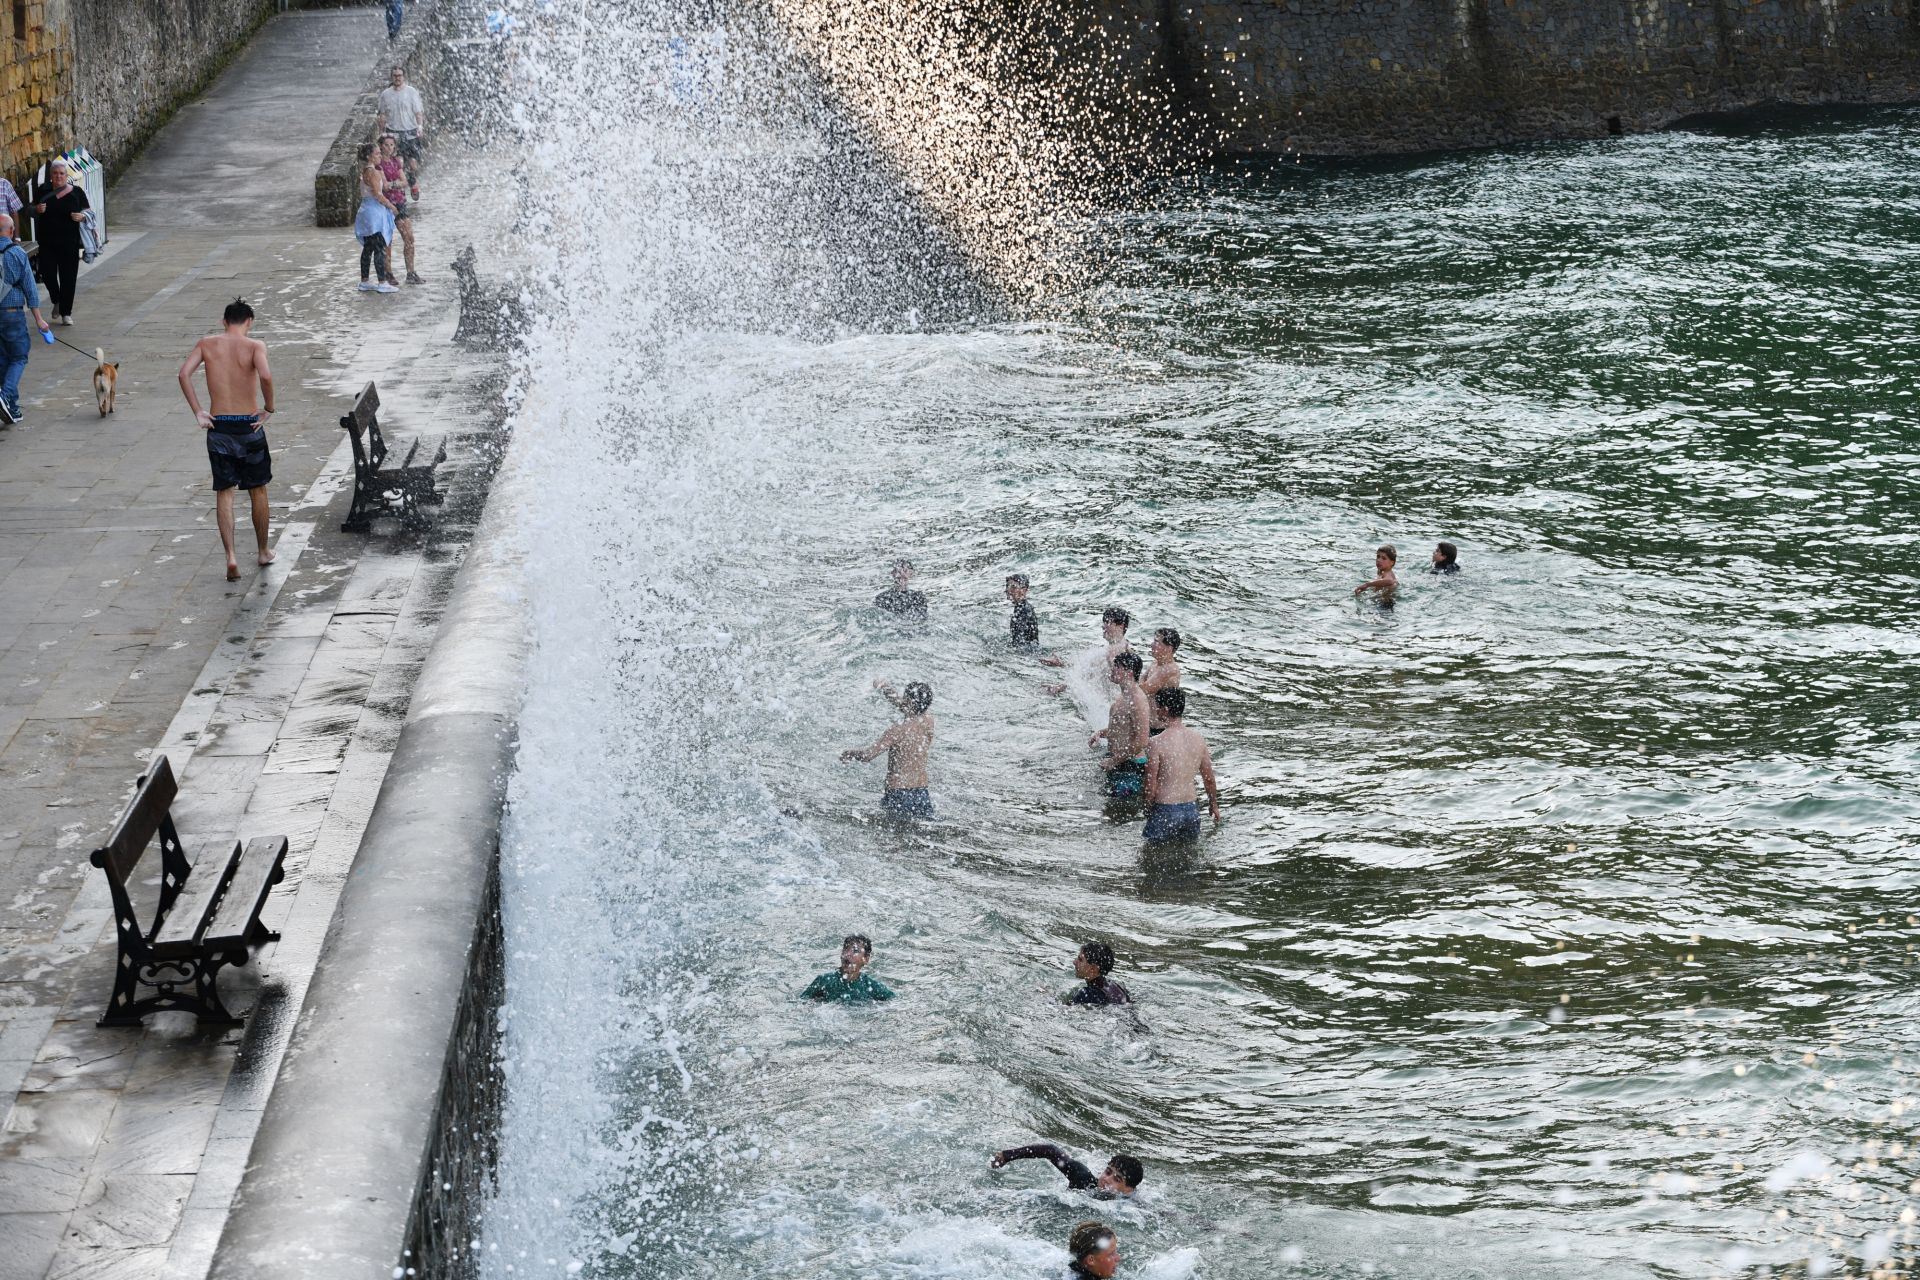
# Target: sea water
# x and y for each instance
(1561, 915)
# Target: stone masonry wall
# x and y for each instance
(1365, 76)
(36, 56)
(134, 61)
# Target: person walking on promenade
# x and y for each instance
(10, 201)
(56, 224)
(396, 14)
(395, 173)
(18, 300)
(404, 115)
(236, 364)
(373, 224)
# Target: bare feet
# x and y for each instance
(233, 572)
(266, 558)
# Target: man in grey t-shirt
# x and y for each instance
(404, 115)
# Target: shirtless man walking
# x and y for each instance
(1174, 756)
(1164, 673)
(236, 365)
(906, 744)
(1126, 731)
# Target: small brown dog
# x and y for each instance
(106, 380)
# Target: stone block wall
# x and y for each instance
(36, 58)
(1348, 77)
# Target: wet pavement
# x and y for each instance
(277, 698)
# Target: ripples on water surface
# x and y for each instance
(1532, 896)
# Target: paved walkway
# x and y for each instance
(278, 698)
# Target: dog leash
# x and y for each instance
(69, 346)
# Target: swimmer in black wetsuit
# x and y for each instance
(1446, 558)
(1023, 628)
(1094, 1251)
(1122, 1175)
(911, 605)
(1091, 965)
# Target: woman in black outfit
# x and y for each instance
(56, 222)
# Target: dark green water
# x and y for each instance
(1561, 918)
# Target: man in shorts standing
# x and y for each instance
(1174, 756)
(404, 115)
(236, 365)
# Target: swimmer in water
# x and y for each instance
(906, 744)
(1091, 964)
(1094, 1252)
(1163, 674)
(1446, 558)
(1126, 731)
(911, 605)
(848, 983)
(1023, 628)
(1383, 584)
(1174, 756)
(1122, 1175)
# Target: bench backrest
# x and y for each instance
(363, 424)
(145, 814)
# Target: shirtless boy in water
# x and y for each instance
(906, 745)
(1383, 584)
(236, 365)
(1164, 673)
(1174, 756)
(1126, 731)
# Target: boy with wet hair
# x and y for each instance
(907, 744)
(1383, 583)
(848, 983)
(1446, 558)
(1023, 628)
(1091, 964)
(1163, 674)
(911, 605)
(1173, 758)
(1094, 1251)
(1117, 1182)
(1126, 731)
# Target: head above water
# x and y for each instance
(855, 950)
(1445, 553)
(1094, 1249)
(237, 313)
(1122, 1175)
(1114, 622)
(917, 697)
(1386, 556)
(1168, 637)
(1016, 587)
(1172, 702)
(1093, 960)
(1127, 665)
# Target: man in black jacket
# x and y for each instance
(1122, 1175)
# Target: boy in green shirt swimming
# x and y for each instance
(849, 983)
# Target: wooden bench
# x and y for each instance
(490, 316)
(208, 915)
(379, 487)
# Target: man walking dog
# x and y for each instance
(18, 300)
(236, 365)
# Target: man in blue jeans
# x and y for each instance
(396, 14)
(19, 298)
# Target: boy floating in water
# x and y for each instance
(1446, 558)
(1164, 674)
(1091, 964)
(1383, 583)
(906, 745)
(911, 605)
(1122, 1175)
(1094, 1251)
(1126, 731)
(1023, 628)
(849, 983)
(1174, 756)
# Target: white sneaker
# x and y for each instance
(66, 319)
(366, 286)
(384, 287)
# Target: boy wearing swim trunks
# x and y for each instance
(1126, 731)
(1174, 756)
(236, 365)
(906, 744)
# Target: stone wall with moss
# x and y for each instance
(36, 65)
(1348, 77)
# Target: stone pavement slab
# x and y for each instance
(278, 698)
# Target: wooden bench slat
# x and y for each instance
(185, 924)
(138, 824)
(233, 924)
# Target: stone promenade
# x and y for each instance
(277, 698)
